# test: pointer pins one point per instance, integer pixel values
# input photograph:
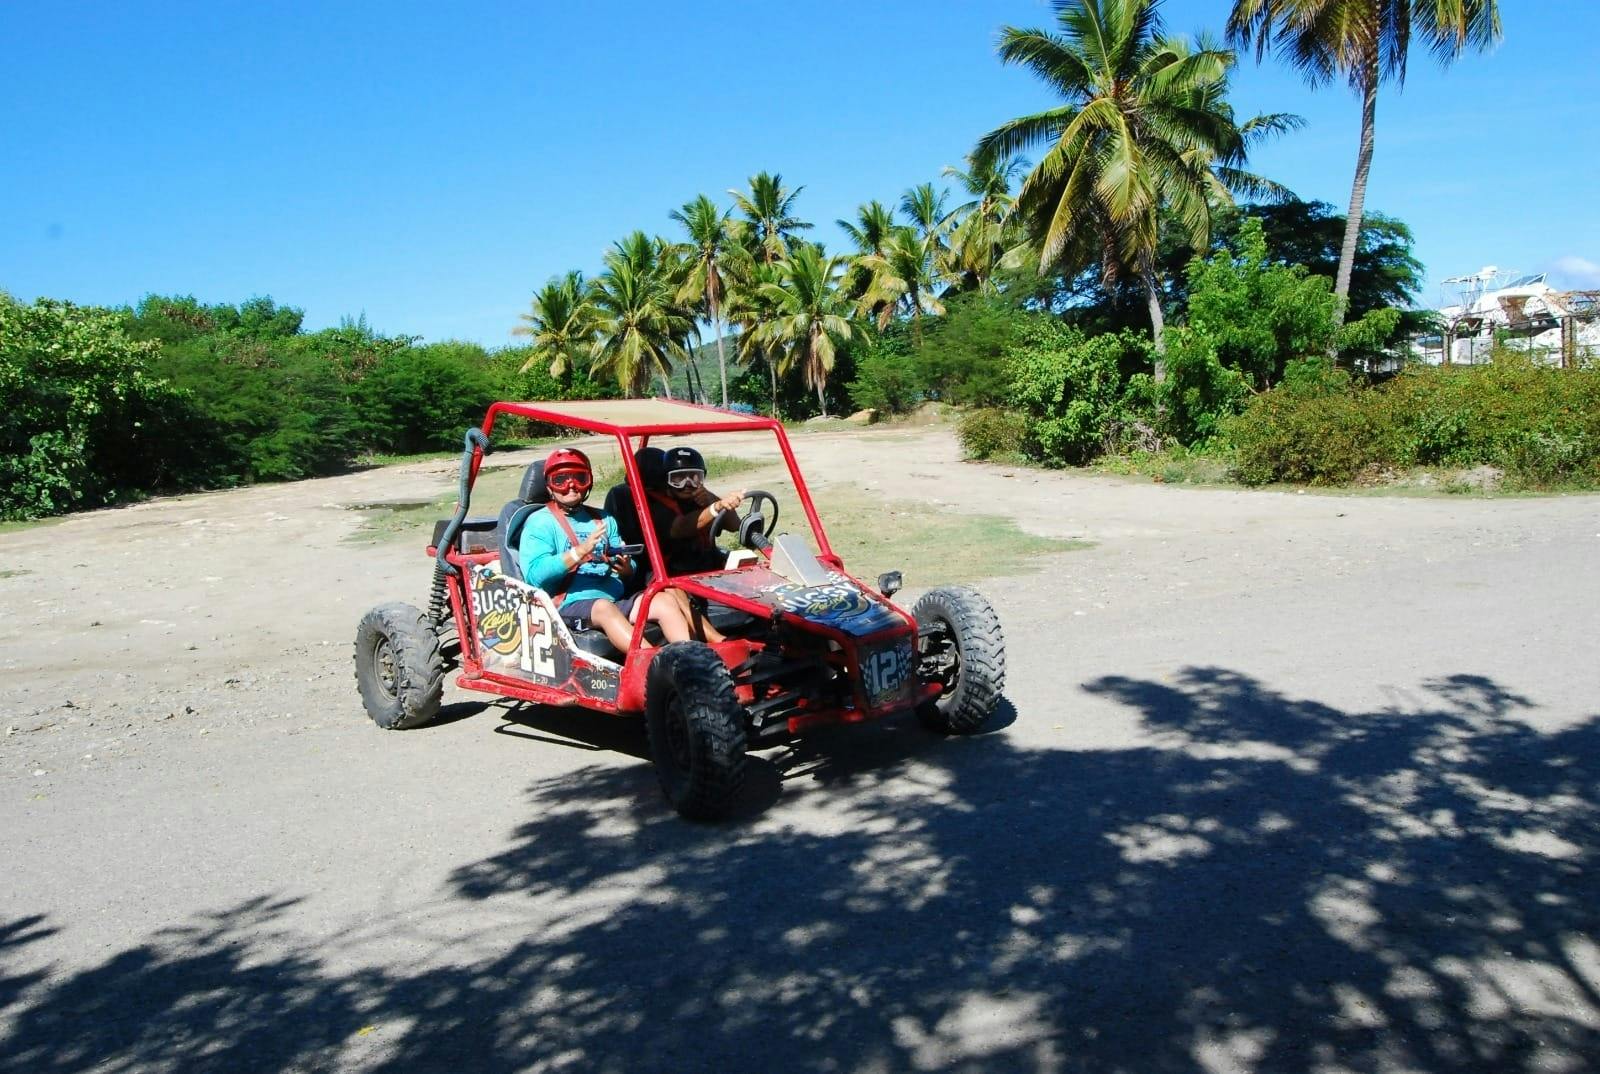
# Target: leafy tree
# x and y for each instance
(810, 318)
(1144, 126)
(420, 398)
(561, 325)
(707, 255)
(961, 358)
(84, 419)
(1364, 42)
(768, 211)
(1385, 274)
(1249, 318)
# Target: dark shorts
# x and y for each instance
(580, 609)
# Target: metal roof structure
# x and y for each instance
(633, 417)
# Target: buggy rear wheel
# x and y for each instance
(696, 730)
(960, 646)
(399, 668)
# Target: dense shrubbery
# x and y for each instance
(1539, 425)
(100, 405)
(81, 415)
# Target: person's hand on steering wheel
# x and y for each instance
(730, 502)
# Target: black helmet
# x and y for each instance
(652, 463)
(684, 458)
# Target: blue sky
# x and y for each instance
(430, 164)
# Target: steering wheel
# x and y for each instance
(755, 523)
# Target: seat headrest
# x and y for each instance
(532, 489)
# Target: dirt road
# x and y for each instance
(1287, 782)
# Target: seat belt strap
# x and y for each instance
(566, 579)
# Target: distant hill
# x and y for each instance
(705, 355)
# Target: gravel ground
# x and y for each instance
(1285, 782)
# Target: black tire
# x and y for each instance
(960, 645)
(696, 730)
(399, 667)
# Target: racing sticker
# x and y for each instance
(501, 627)
(837, 602)
(519, 634)
(886, 672)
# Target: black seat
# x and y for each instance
(531, 498)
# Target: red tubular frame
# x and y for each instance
(635, 665)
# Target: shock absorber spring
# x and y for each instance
(438, 599)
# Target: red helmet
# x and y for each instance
(565, 460)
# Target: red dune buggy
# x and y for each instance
(807, 643)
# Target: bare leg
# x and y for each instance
(666, 613)
(609, 618)
(699, 624)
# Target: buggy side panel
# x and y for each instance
(518, 633)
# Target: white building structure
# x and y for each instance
(1523, 311)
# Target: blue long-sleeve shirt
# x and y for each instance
(545, 543)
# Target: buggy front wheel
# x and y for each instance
(399, 668)
(696, 730)
(959, 646)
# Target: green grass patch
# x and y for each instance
(495, 486)
(932, 546)
(15, 525)
(1172, 467)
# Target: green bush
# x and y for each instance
(421, 398)
(888, 379)
(962, 355)
(1200, 392)
(1538, 424)
(83, 420)
(992, 434)
(1069, 387)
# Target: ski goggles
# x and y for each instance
(567, 480)
(686, 479)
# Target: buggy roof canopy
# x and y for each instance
(633, 416)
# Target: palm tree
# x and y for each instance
(902, 279)
(561, 324)
(1364, 42)
(640, 327)
(984, 232)
(1143, 126)
(924, 207)
(810, 318)
(874, 221)
(769, 212)
(706, 255)
(750, 307)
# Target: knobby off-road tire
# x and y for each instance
(399, 667)
(696, 730)
(963, 626)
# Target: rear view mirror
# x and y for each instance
(889, 583)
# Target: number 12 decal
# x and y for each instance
(537, 639)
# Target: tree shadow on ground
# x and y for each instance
(1271, 884)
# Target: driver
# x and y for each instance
(565, 551)
(685, 512)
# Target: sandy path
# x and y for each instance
(1291, 782)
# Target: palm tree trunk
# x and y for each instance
(822, 401)
(1358, 190)
(722, 358)
(772, 374)
(1158, 321)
